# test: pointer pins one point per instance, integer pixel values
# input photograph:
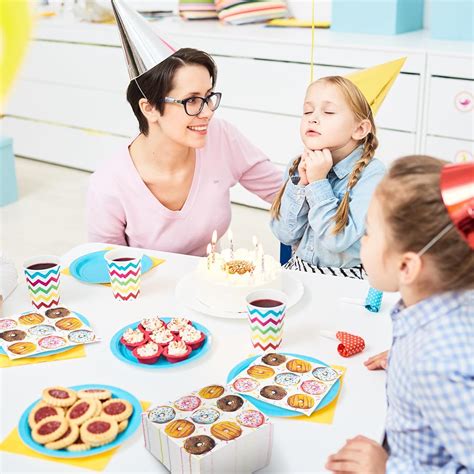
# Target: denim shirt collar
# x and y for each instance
(345, 166)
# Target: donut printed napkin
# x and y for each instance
(286, 382)
(32, 333)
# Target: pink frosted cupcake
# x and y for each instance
(147, 353)
(176, 351)
(176, 324)
(132, 338)
(192, 337)
(148, 325)
(162, 337)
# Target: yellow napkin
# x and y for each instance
(13, 444)
(74, 353)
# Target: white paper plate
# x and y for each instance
(186, 293)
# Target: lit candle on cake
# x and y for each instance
(262, 256)
(231, 243)
(209, 250)
(213, 245)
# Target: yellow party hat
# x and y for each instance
(375, 82)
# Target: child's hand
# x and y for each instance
(360, 455)
(302, 172)
(377, 362)
(318, 164)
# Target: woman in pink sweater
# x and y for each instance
(169, 189)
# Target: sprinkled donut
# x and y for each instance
(161, 414)
(326, 374)
(205, 416)
(313, 387)
(245, 384)
(52, 342)
(81, 336)
(286, 379)
(251, 418)
(41, 330)
(188, 403)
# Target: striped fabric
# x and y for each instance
(250, 12)
(197, 9)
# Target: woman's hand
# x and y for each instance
(318, 164)
(377, 362)
(302, 172)
(360, 455)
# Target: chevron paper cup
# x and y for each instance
(42, 278)
(125, 270)
(266, 315)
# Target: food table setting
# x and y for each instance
(156, 374)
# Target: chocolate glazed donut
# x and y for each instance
(13, 335)
(273, 392)
(230, 403)
(56, 313)
(199, 444)
(274, 359)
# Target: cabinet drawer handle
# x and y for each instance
(463, 101)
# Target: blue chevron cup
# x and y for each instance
(266, 315)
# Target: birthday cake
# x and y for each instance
(225, 279)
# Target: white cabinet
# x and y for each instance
(449, 149)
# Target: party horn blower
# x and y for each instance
(373, 300)
(125, 269)
(349, 345)
(42, 278)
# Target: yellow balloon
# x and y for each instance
(15, 29)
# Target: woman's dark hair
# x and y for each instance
(158, 81)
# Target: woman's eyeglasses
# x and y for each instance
(194, 105)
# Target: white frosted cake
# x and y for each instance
(225, 279)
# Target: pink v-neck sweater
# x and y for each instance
(122, 210)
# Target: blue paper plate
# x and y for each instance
(273, 410)
(92, 267)
(57, 351)
(133, 423)
(125, 355)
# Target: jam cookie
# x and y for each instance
(301, 400)
(260, 372)
(326, 374)
(230, 403)
(188, 403)
(22, 348)
(69, 324)
(245, 384)
(251, 418)
(31, 318)
(298, 365)
(161, 414)
(59, 396)
(205, 416)
(99, 430)
(7, 324)
(122, 426)
(68, 438)
(99, 407)
(52, 342)
(274, 359)
(41, 330)
(226, 430)
(199, 444)
(56, 313)
(211, 391)
(81, 411)
(313, 387)
(118, 409)
(99, 393)
(50, 429)
(273, 392)
(78, 446)
(41, 411)
(82, 336)
(287, 379)
(13, 335)
(180, 428)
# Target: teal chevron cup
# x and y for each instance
(266, 315)
(125, 269)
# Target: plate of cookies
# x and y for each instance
(79, 421)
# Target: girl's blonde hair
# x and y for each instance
(361, 109)
(414, 212)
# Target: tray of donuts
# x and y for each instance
(208, 429)
(79, 421)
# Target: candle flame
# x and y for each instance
(214, 237)
(209, 249)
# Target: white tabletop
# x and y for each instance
(299, 446)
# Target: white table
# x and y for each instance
(299, 446)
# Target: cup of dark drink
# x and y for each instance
(266, 314)
(125, 269)
(42, 278)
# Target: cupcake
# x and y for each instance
(148, 325)
(176, 324)
(132, 338)
(162, 337)
(192, 337)
(147, 353)
(176, 351)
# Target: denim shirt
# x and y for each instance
(307, 214)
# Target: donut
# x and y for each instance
(42, 411)
(199, 444)
(7, 324)
(260, 372)
(59, 396)
(300, 400)
(187, 403)
(326, 374)
(230, 403)
(31, 318)
(99, 430)
(251, 418)
(298, 365)
(313, 387)
(68, 438)
(180, 429)
(274, 359)
(226, 430)
(161, 414)
(245, 384)
(81, 411)
(68, 324)
(41, 330)
(49, 429)
(205, 416)
(287, 378)
(118, 409)
(81, 336)
(52, 342)
(211, 391)
(273, 392)
(13, 335)
(56, 313)
(99, 393)
(22, 348)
